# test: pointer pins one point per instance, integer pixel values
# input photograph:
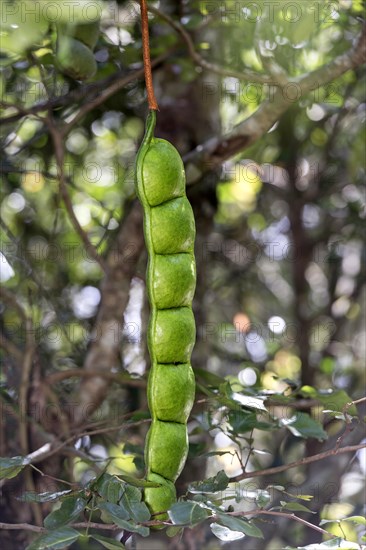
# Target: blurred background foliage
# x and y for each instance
(280, 248)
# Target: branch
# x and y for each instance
(104, 93)
(101, 90)
(113, 527)
(301, 462)
(57, 137)
(23, 390)
(259, 511)
(217, 149)
(23, 527)
(120, 378)
(249, 76)
(104, 351)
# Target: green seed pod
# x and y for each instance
(163, 169)
(171, 279)
(160, 498)
(166, 449)
(75, 45)
(172, 227)
(75, 59)
(88, 34)
(174, 280)
(171, 392)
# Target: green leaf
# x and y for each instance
(187, 513)
(110, 544)
(295, 507)
(136, 482)
(69, 510)
(30, 496)
(241, 525)
(249, 401)
(10, 467)
(132, 527)
(114, 511)
(302, 425)
(245, 421)
(225, 534)
(337, 401)
(172, 531)
(209, 377)
(216, 453)
(109, 487)
(131, 500)
(305, 497)
(263, 498)
(211, 485)
(333, 400)
(61, 538)
(361, 520)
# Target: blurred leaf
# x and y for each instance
(249, 401)
(209, 377)
(42, 497)
(136, 482)
(173, 531)
(109, 487)
(10, 467)
(113, 511)
(110, 544)
(219, 482)
(69, 510)
(225, 534)
(241, 525)
(61, 538)
(132, 527)
(245, 421)
(187, 513)
(131, 500)
(295, 507)
(360, 520)
(302, 425)
(333, 543)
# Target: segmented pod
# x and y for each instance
(171, 279)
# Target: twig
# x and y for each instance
(146, 56)
(217, 149)
(57, 137)
(81, 373)
(25, 376)
(11, 348)
(102, 90)
(301, 462)
(113, 527)
(111, 90)
(259, 511)
(199, 60)
(23, 527)
(51, 450)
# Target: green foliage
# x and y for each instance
(11, 467)
(69, 511)
(279, 255)
(57, 539)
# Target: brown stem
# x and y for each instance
(283, 515)
(301, 462)
(146, 55)
(120, 378)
